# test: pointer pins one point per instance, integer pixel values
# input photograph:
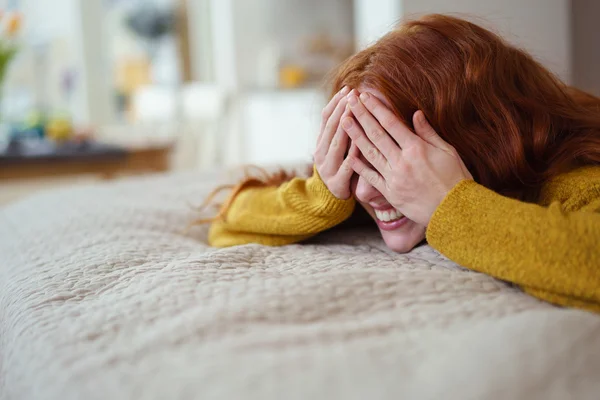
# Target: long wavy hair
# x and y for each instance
(515, 124)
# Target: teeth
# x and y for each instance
(387, 216)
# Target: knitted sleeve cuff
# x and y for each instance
(326, 202)
(449, 213)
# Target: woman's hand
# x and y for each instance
(329, 157)
(413, 172)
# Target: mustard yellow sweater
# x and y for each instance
(551, 249)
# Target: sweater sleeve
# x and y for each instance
(280, 215)
(552, 252)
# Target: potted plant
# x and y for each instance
(10, 24)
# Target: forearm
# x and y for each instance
(219, 236)
(278, 215)
(544, 249)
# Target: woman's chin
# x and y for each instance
(403, 240)
(401, 237)
(397, 243)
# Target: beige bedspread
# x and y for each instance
(103, 297)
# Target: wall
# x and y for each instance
(543, 27)
(374, 18)
(586, 46)
(264, 27)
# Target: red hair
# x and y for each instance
(514, 124)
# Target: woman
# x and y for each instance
(501, 174)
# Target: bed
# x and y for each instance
(103, 295)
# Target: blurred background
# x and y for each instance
(98, 89)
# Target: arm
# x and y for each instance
(280, 215)
(300, 208)
(552, 252)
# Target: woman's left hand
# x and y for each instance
(414, 172)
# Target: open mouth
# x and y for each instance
(390, 219)
(388, 215)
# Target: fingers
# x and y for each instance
(346, 170)
(339, 143)
(369, 151)
(370, 175)
(354, 151)
(374, 131)
(329, 130)
(328, 110)
(426, 132)
(388, 120)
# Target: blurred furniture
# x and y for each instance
(154, 104)
(195, 115)
(44, 159)
(183, 38)
(204, 138)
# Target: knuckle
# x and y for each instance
(372, 179)
(376, 134)
(375, 107)
(390, 122)
(372, 153)
(347, 165)
(358, 111)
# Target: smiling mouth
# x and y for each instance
(388, 215)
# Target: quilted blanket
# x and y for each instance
(103, 295)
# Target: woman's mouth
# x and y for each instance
(388, 215)
(390, 219)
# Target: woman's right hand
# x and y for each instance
(330, 156)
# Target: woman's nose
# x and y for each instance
(365, 191)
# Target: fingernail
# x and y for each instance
(347, 123)
(352, 100)
(364, 97)
(345, 90)
(421, 118)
